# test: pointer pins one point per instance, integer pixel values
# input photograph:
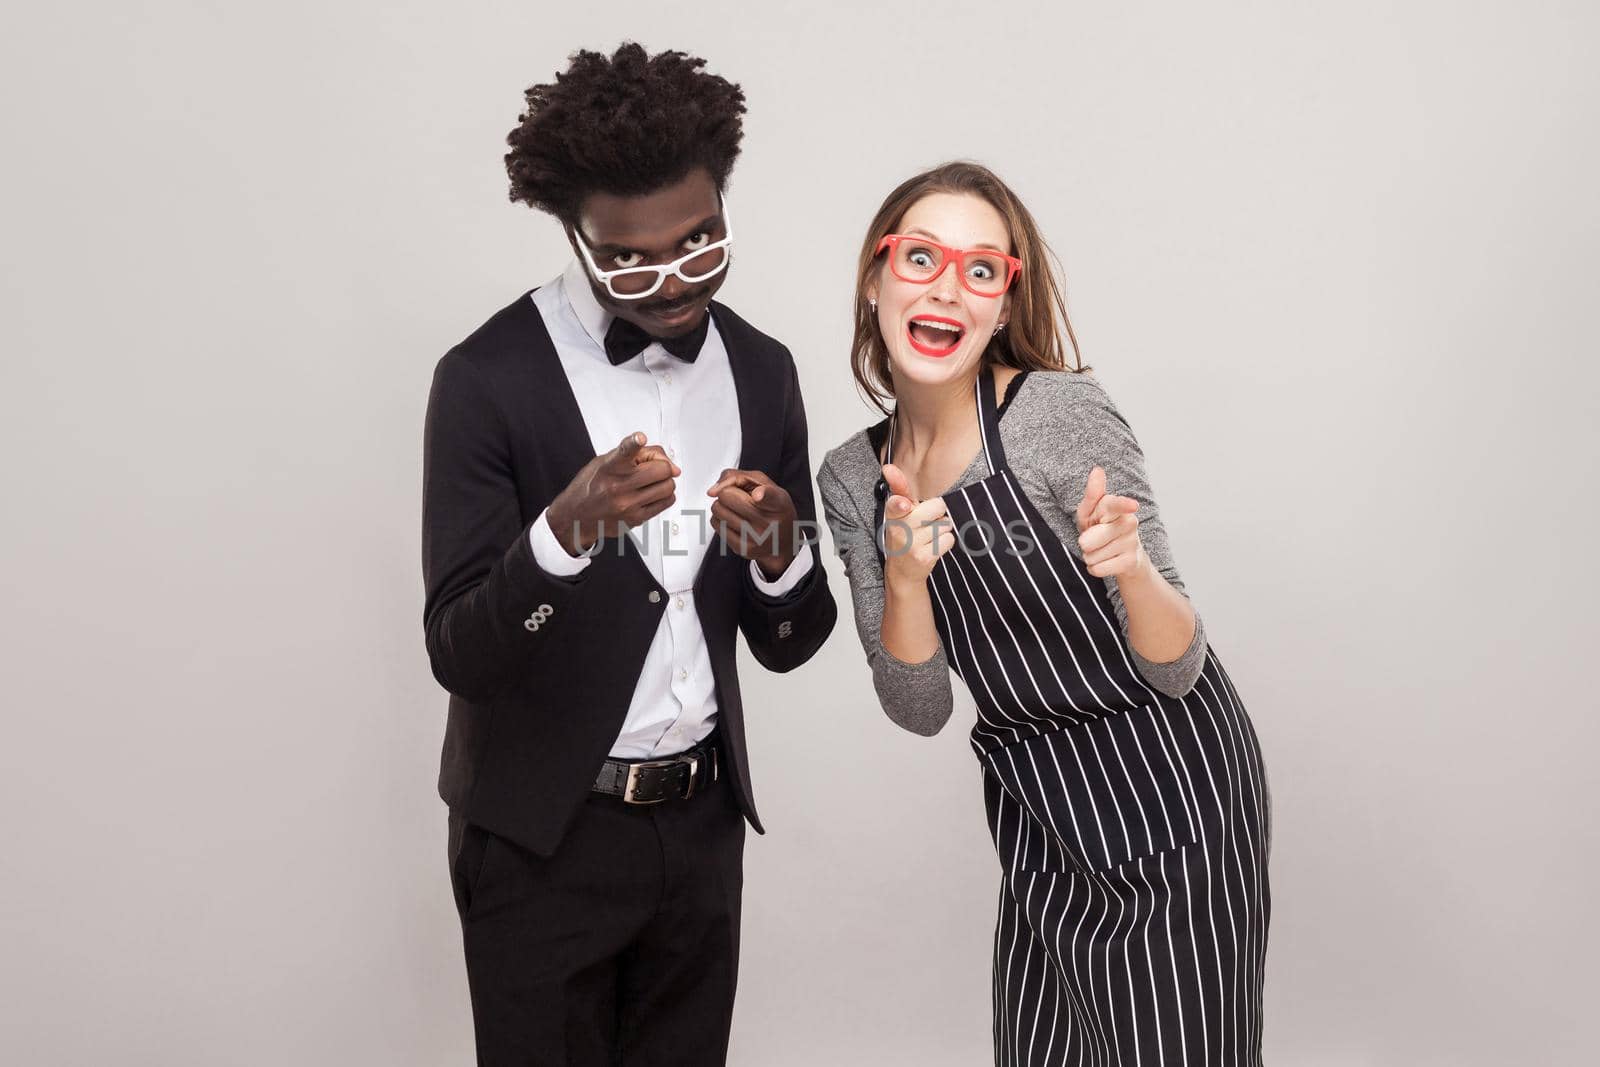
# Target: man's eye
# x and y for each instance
(624, 260)
(698, 241)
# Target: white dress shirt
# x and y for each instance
(692, 411)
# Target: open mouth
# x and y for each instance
(934, 336)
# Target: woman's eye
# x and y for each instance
(920, 259)
(624, 260)
(982, 271)
(698, 241)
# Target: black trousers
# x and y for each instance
(620, 949)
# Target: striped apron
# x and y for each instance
(1133, 828)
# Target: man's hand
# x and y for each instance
(1108, 530)
(756, 517)
(623, 488)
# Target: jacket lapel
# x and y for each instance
(759, 408)
(563, 435)
(759, 399)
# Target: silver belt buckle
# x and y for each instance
(694, 767)
(633, 780)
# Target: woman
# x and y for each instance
(1020, 547)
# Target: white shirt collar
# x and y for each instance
(594, 319)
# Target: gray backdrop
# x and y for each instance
(1334, 262)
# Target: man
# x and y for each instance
(616, 480)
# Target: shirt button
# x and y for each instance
(683, 674)
(655, 597)
(680, 603)
(674, 527)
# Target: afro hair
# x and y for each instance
(624, 126)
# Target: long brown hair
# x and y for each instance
(1038, 319)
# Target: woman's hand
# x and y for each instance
(915, 533)
(1108, 531)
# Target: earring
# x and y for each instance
(873, 304)
(1000, 327)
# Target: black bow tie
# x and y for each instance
(624, 340)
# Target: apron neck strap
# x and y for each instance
(994, 452)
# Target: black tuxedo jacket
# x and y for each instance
(541, 669)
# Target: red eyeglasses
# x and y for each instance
(983, 271)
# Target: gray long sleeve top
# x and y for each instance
(1056, 428)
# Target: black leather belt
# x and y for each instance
(652, 781)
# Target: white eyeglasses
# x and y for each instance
(636, 283)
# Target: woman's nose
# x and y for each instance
(946, 287)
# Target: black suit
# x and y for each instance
(535, 709)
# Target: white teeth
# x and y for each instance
(937, 325)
